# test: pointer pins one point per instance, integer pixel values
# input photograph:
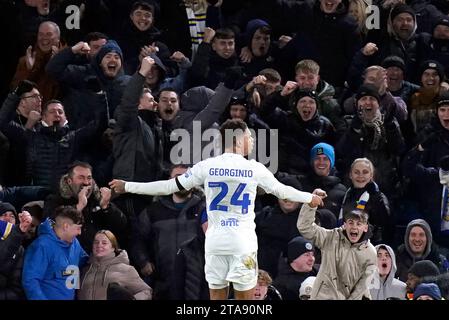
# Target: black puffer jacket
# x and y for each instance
(50, 149)
(272, 241)
(190, 282)
(288, 281)
(11, 262)
(405, 257)
(331, 184)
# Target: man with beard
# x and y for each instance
(163, 227)
(78, 189)
(104, 73)
(418, 245)
(389, 105)
(401, 40)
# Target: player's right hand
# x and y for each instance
(118, 186)
(320, 192)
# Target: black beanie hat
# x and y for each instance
(296, 247)
(443, 99)
(441, 21)
(5, 207)
(367, 90)
(424, 268)
(402, 8)
(394, 61)
(301, 93)
(432, 64)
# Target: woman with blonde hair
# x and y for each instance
(108, 267)
(364, 194)
(357, 10)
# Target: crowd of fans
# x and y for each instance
(362, 113)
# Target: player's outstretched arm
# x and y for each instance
(155, 188)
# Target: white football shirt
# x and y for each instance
(230, 183)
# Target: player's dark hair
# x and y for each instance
(230, 126)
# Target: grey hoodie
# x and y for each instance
(425, 226)
(391, 287)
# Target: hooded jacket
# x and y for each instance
(406, 258)
(178, 83)
(200, 105)
(50, 264)
(391, 287)
(77, 79)
(114, 268)
(346, 268)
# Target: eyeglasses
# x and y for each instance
(34, 96)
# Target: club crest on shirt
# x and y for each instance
(249, 262)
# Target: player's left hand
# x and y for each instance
(118, 186)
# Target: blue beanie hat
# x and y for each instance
(323, 148)
(110, 46)
(429, 289)
(252, 27)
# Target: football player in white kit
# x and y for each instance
(230, 183)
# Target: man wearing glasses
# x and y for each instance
(28, 114)
(30, 106)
